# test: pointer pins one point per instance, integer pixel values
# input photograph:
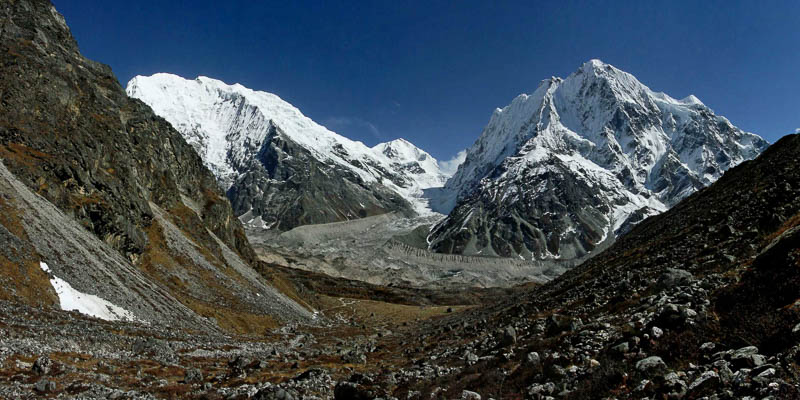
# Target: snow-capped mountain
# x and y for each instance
(280, 168)
(560, 171)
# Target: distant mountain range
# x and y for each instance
(280, 168)
(554, 175)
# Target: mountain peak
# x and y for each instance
(230, 126)
(622, 150)
(397, 142)
(593, 64)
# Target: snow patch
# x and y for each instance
(71, 299)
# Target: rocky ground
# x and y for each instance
(56, 354)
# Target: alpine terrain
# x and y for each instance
(562, 171)
(104, 208)
(126, 272)
(280, 168)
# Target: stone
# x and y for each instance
(708, 347)
(653, 364)
(706, 383)
(42, 365)
(509, 336)
(623, 347)
(656, 332)
(45, 386)
(354, 357)
(533, 359)
(468, 395)
(273, 393)
(747, 357)
(674, 277)
(193, 375)
(676, 387)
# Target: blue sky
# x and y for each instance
(433, 71)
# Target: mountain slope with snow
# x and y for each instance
(273, 160)
(560, 171)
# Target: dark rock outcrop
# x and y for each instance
(71, 135)
(285, 186)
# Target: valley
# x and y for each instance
(193, 239)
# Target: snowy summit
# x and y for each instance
(574, 164)
(231, 126)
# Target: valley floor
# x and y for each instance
(51, 353)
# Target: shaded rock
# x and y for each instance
(747, 357)
(558, 323)
(509, 336)
(45, 386)
(674, 277)
(42, 365)
(468, 395)
(193, 375)
(351, 391)
(651, 365)
(707, 383)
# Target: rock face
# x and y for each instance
(578, 162)
(280, 168)
(70, 136)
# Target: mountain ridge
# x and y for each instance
(132, 203)
(579, 161)
(229, 125)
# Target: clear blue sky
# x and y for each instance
(433, 71)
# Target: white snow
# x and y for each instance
(226, 123)
(603, 124)
(71, 299)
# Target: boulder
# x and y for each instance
(747, 357)
(193, 375)
(674, 277)
(468, 395)
(509, 336)
(651, 365)
(42, 365)
(707, 383)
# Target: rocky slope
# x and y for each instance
(698, 301)
(280, 168)
(558, 172)
(101, 195)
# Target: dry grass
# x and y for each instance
(789, 224)
(376, 312)
(285, 286)
(23, 155)
(24, 280)
(227, 309)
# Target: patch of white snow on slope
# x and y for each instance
(91, 305)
